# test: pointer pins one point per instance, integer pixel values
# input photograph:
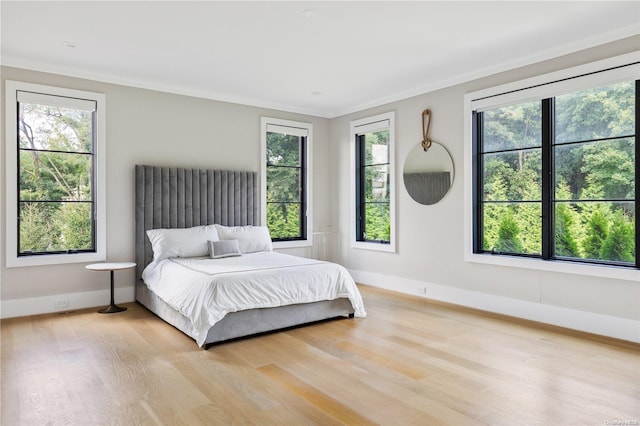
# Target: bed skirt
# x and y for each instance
(249, 322)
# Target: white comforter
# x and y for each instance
(205, 290)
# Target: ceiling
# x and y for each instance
(320, 58)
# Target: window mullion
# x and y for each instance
(478, 205)
(360, 190)
(303, 186)
(637, 172)
(94, 175)
(548, 234)
(18, 243)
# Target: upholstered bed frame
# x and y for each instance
(180, 198)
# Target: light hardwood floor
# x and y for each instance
(411, 361)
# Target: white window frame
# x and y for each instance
(552, 84)
(371, 124)
(12, 258)
(301, 129)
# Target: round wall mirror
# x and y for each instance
(428, 175)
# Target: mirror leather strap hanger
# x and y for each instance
(426, 129)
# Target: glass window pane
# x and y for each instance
(511, 127)
(285, 165)
(55, 227)
(283, 184)
(598, 113)
(36, 227)
(513, 228)
(54, 176)
(377, 223)
(377, 148)
(513, 176)
(283, 150)
(595, 230)
(283, 220)
(376, 183)
(602, 170)
(46, 127)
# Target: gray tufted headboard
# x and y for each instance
(169, 197)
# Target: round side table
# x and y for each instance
(116, 266)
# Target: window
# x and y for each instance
(54, 188)
(555, 170)
(285, 181)
(373, 182)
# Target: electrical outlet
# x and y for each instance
(422, 290)
(61, 303)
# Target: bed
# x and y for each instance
(183, 207)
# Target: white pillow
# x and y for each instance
(250, 238)
(224, 248)
(182, 242)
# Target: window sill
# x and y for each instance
(389, 248)
(602, 271)
(292, 244)
(53, 259)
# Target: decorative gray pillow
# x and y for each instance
(223, 248)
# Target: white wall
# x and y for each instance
(145, 127)
(430, 239)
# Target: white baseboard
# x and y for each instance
(604, 325)
(64, 302)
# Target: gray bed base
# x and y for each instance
(180, 198)
(246, 323)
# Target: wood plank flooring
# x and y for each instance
(410, 362)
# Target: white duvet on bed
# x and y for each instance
(205, 290)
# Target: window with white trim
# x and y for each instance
(286, 149)
(373, 185)
(55, 169)
(555, 171)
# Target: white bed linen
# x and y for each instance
(205, 290)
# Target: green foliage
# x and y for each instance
(508, 235)
(516, 126)
(378, 225)
(567, 230)
(35, 229)
(502, 186)
(619, 244)
(597, 230)
(75, 219)
(611, 167)
(283, 220)
(596, 113)
(565, 239)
